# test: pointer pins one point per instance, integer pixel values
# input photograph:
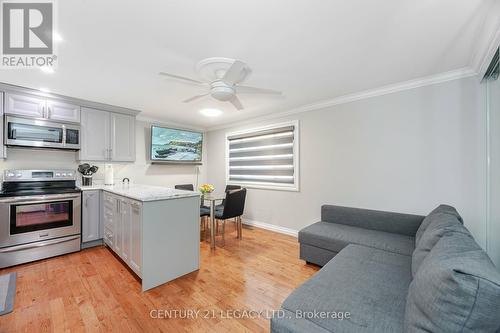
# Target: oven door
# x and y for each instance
(37, 218)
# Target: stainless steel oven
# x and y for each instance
(35, 218)
(40, 215)
(41, 133)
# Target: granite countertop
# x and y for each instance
(142, 192)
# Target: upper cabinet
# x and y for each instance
(39, 107)
(107, 136)
(57, 110)
(122, 137)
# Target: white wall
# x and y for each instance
(139, 172)
(494, 225)
(407, 152)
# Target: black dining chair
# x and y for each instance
(204, 211)
(233, 209)
(186, 187)
(228, 188)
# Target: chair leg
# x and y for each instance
(223, 232)
(240, 227)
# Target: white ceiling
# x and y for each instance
(312, 50)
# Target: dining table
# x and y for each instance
(213, 198)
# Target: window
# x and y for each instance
(264, 157)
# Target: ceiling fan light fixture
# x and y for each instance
(211, 112)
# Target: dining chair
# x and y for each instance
(228, 188)
(204, 211)
(233, 208)
(186, 187)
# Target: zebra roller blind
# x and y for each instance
(264, 157)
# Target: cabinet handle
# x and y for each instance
(48, 112)
(110, 153)
(86, 202)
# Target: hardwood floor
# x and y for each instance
(91, 291)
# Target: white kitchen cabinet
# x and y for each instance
(94, 135)
(57, 110)
(123, 229)
(135, 250)
(91, 216)
(25, 105)
(122, 137)
(39, 107)
(109, 218)
(107, 136)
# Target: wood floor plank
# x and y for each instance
(91, 290)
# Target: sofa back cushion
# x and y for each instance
(397, 223)
(432, 218)
(456, 289)
(442, 223)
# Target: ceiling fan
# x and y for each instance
(223, 76)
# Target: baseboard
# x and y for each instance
(271, 227)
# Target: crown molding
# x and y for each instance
(485, 53)
(385, 90)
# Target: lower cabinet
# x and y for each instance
(123, 229)
(91, 216)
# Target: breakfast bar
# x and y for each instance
(153, 229)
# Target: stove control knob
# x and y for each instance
(64, 174)
(10, 174)
(58, 174)
(70, 174)
(19, 175)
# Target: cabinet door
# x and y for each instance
(122, 137)
(25, 105)
(125, 219)
(95, 127)
(118, 228)
(109, 209)
(135, 257)
(91, 216)
(57, 110)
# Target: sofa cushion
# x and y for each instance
(397, 223)
(456, 289)
(431, 218)
(335, 237)
(442, 223)
(368, 283)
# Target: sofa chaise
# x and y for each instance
(391, 272)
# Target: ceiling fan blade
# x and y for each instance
(236, 102)
(180, 77)
(194, 98)
(233, 74)
(253, 90)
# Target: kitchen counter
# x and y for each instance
(142, 192)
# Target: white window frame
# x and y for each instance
(296, 157)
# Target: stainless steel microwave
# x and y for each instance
(25, 132)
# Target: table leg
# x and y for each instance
(212, 224)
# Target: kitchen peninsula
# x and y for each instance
(154, 230)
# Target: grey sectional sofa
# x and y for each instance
(391, 272)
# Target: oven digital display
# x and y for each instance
(42, 174)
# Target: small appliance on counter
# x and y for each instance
(87, 171)
(40, 215)
(108, 174)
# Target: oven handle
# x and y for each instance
(38, 244)
(37, 198)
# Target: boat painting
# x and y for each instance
(175, 145)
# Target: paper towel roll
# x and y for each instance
(108, 174)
